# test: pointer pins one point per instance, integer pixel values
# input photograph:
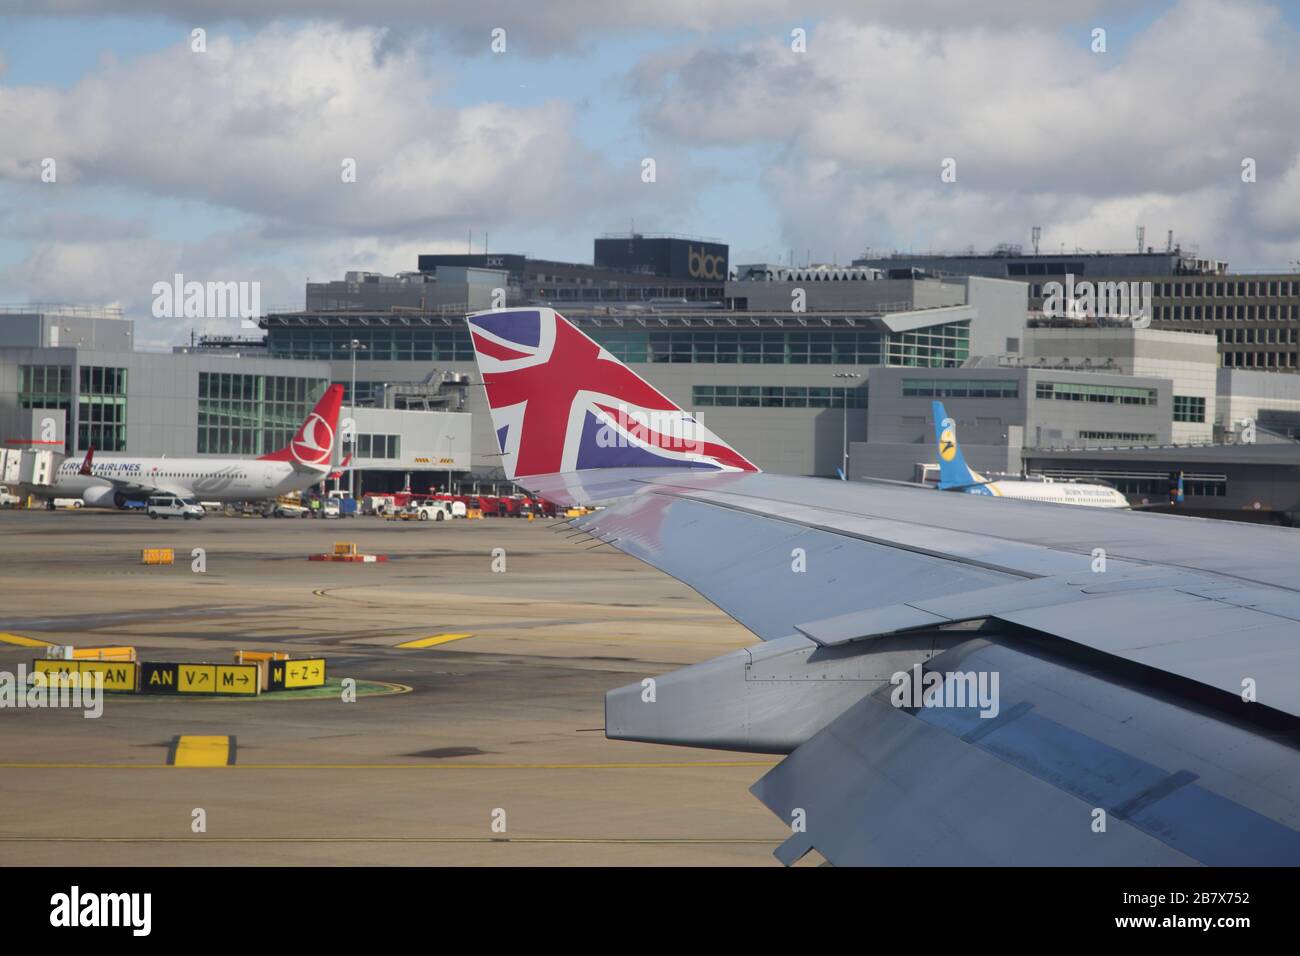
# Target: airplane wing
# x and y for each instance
(954, 679)
(1122, 643)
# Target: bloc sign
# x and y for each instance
(291, 675)
(227, 679)
(117, 676)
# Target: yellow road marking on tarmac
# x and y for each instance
(665, 765)
(7, 638)
(433, 640)
(194, 751)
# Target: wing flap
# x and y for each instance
(1233, 649)
(880, 788)
(1028, 784)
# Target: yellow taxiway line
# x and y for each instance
(433, 640)
(7, 638)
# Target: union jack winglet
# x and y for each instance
(562, 403)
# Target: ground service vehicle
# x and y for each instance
(173, 506)
(429, 510)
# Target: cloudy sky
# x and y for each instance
(225, 164)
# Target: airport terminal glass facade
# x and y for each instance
(388, 343)
(367, 392)
(379, 446)
(958, 388)
(778, 396)
(1141, 438)
(1189, 408)
(1104, 394)
(252, 414)
(47, 386)
(940, 346)
(101, 408)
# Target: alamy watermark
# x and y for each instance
(75, 908)
(1105, 300)
(206, 300)
(638, 427)
(948, 689)
(41, 690)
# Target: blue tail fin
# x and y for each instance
(953, 471)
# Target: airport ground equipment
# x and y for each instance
(346, 552)
(67, 652)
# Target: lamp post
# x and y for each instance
(844, 441)
(353, 347)
(450, 456)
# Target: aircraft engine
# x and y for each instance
(101, 498)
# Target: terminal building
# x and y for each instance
(779, 363)
(804, 369)
(1104, 401)
(1009, 261)
(1254, 317)
(71, 379)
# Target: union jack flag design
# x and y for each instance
(562, 403)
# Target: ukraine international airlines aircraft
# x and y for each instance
(302, 463)
(955, 680)
(956, 475)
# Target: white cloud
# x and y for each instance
(264, 126)
(844, 142)
(1043, 131)
(563, 25)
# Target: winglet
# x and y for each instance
(561, 403)
(88, 462)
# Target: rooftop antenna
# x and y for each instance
(1169, 243)
(1036, 233)
(469, 243)
(1142, 237)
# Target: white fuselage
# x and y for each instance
(1060, 492)
(207, 479)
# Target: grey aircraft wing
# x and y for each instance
(1141, 695)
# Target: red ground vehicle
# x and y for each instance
(488, 504)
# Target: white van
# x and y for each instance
(173, 506)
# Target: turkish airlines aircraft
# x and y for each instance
(110, 482)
